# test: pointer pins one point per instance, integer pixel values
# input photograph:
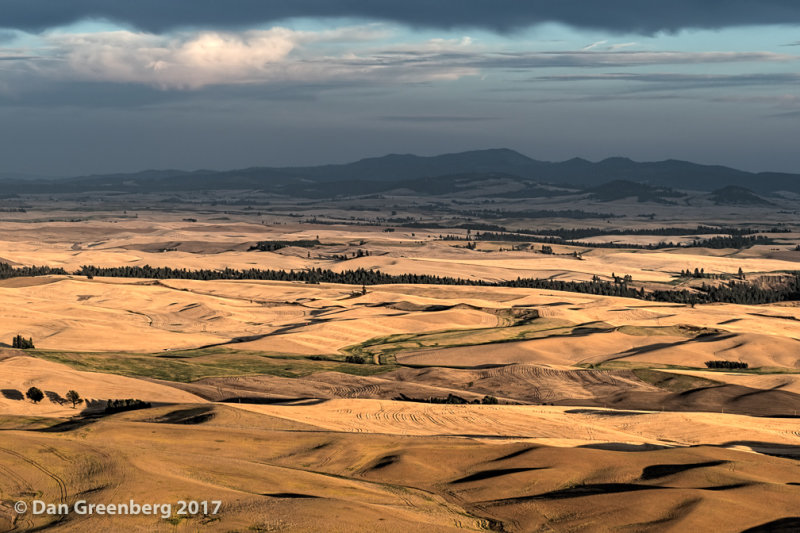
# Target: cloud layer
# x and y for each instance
(350, 55)
(500, 15)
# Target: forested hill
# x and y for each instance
(394, 170)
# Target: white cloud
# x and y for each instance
(181, 62)
(620, 46)
(594, 45)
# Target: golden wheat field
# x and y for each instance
(389, 406)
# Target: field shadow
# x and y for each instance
(290, 495)
(649, 348)
(497, 472)
(258, 400)
(383, 462)
(12, 394)
(579, 491)
(69, 425)
(190, 416)
(624, 447)
(55, 397)
(659, 471)
(785, 451)
(515, 454)
(790, 524)
(602, 412)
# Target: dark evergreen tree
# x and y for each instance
(73, 397)
(22, 343)
(34, 394)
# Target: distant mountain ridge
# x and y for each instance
(377, 173)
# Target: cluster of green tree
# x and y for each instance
(731, 292)
(355, 359)
(728, 365)
(740, 292)
(450, 399)
(583, 233)
(358, 253)
(334, 221)
(538, 213)
(22, 343)
(130, 404)
(700, 273)
(397, 221)
(731, 241)
(473, 226)
(36, 395)
(362, 292)
(596, 286)
(271, 246)
(728, 241)
(7, 271)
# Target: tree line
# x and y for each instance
(718, 242)
(7, 271)
(128, 404)
(449, 399)
(36, 395)
(571, 234)
(582, 233)
(271, 246)
(739, 292)
(727, 365)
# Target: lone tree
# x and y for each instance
(34, 394)
(74, 397)
(22, 343)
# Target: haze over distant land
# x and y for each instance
(309, 82)
(442, 174)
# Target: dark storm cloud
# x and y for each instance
(616, 15)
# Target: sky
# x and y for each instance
(101, 86)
